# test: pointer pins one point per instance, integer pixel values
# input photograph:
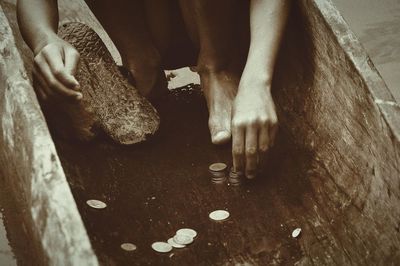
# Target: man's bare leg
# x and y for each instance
(128, 26)
(214, 27)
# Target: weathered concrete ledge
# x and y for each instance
(30, 165)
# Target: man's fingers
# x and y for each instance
(39, 88)
(238, 144)
(40, 85)
(53, 81)
(54, 58)
(251, 151)
(273, 125)
(263, 144)
(71, 60)
(264, 139)
(273, 129)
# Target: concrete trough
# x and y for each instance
(331, 101)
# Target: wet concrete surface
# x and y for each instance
(163, 185)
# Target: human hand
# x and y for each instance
(254, 125)
(54, 68)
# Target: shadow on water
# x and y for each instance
(157, 187)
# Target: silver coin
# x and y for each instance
(161, 247)
(96, 204)
(235, 182)
(234, 179)
(183, 239)
(296, 232)
(174, 244)
(235, 173)
(128, 247)
(219, 215)
(217, 167)
(218, 174)
(218, 180)
(187, 231)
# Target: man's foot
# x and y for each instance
(220, 89)
(146, 71)
(153, 89)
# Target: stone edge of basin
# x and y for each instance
(30, 165)
(383, 98)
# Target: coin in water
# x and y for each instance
(218, 180)
(218, 174)
(235, 174)
(187, 231)
(296, 232)
(174, 244)
(161, 247)
(128, 247)
(234, 181)
(96, 204)
(183, 239)
(217, 167)
(219, 215)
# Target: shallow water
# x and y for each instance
(155, 188)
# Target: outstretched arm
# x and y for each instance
(254, 122)
(55, 60)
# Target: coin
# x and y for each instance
(161, 247)
(218, 180)
(128, 247)
(96, 204)
(218, 174)
(219, 215)
(187, 231)
(174, 244)
(217, 167)
(183, 239)
(296, 232)
(235, 174)
(235, 178)
(235, 181)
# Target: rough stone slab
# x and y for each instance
(30, 165)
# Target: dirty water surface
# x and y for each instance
(153, 189)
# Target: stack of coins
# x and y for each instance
(218, 172)
(181, 239)
(235, 178)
